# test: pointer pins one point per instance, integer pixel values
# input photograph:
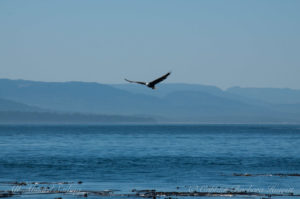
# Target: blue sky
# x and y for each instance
(226, 43)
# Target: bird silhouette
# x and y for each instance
(152, 83)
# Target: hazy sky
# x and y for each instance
(223, 43)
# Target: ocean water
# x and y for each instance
(160, 157)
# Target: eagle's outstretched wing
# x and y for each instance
(160, 79)
(144, 83)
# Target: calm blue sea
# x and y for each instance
(161, 157)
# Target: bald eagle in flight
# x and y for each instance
(153, 83)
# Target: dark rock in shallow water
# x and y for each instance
(146, 191)
(282, 174)
(6, 194)
(242, 174)
(20, 183)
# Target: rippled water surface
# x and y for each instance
(163, 157)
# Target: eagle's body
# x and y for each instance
(153, 83)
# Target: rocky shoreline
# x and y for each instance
(20, 189)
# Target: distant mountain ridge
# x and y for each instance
(169, 102)
(12, 112)
(267, 95)
(9, 105)
(164, 89)
(271, 95)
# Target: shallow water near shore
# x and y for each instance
(178, 158)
